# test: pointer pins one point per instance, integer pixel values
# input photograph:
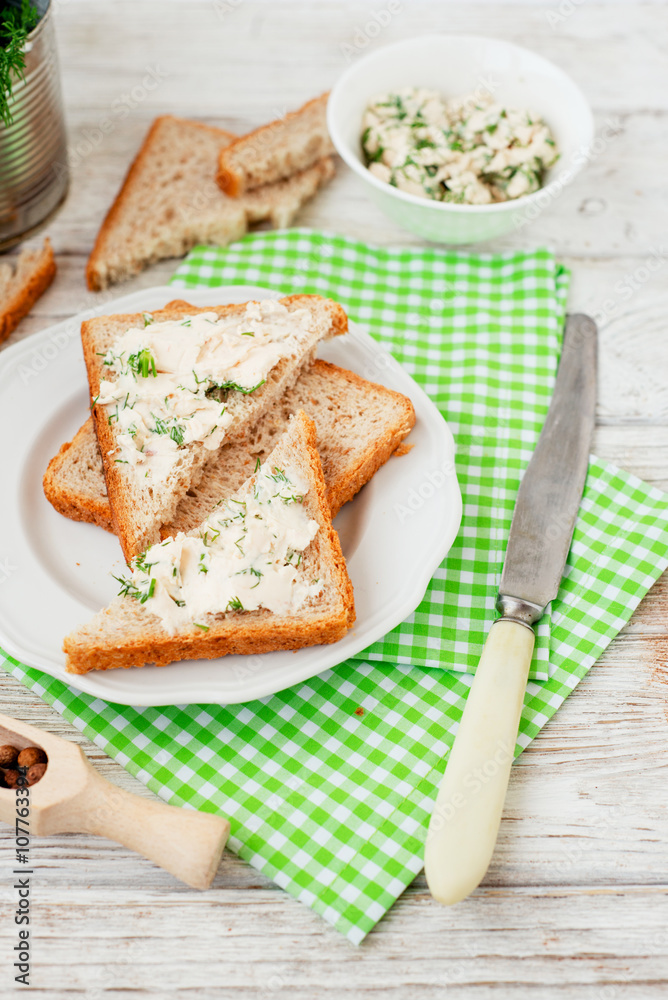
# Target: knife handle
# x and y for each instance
(465, 822)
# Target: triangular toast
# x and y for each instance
(276, 151)
(143, 498)
(23, 280)
(170, 201)
(128, 633)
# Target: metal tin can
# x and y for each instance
(34, 175)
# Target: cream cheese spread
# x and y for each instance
(170, 383)
(246, 555)
(469, 150)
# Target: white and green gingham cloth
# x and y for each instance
(329, 785)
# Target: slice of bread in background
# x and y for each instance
(170, 201)
(23, 280)
(139, 509)
(127, 634)
(281, 201)
(277, 150)
(358, 426)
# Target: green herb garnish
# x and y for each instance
(130, 589)
(142, 364)
(279, 476)
(220, 390)
(16, 25)
(175, 430)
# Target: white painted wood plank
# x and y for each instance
(305, 46)
(574, 904)
(616, 206)
(504, 942)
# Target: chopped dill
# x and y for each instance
(142, 363)
(16, 25)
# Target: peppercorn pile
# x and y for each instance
(30, 762)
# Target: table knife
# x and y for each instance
(467, 814)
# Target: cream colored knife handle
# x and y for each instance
(467, 814)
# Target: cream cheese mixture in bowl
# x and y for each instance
(460, 138)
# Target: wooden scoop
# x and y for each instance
(73, 798)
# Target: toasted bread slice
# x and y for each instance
(358, 425)
(273, 152)
(22, 283)
(138, 509)
(74, 480)
(170, 201)
(127, 634)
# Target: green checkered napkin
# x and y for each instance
(329, 785)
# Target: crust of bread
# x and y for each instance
(122, 505)
(377, 453)
(21, 299)
(261, 635)
(233, 181)
(235, 632)
(94, 271)
(76, 506)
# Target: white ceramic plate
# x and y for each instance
(55, 573)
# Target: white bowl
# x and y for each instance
(458, 65)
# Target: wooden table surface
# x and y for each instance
(575, 904)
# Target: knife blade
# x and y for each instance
(466, 817)
(551, 489)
